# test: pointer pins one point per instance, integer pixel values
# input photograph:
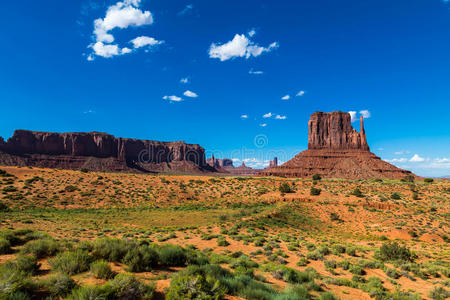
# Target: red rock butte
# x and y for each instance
(336, 150)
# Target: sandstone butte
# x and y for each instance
(336, 150)
(98, 151)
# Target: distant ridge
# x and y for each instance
(98, 151)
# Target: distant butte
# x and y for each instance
(336, 150)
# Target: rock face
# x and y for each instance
(219, 163)
(273, 163)
(336, 150)
(100, 152)
(334, 131)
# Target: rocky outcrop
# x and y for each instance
(219, 163)
(273, 163)
(336, 150)
(334, 131)
(101, 152)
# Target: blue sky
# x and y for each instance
(207, 72)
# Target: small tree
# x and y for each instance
(357, 192)
(428, 180)
(396, 196)
(409, 178)
(317, 177)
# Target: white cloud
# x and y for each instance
(353, 115)
(278, 117)
(240, 46)
(172, 98)
(287, 97)
(301, 93)
(186, 9)
(402, 152)
(121, 15)
(417, 158)
(143, 41)
(263, 125)
(397, 160)
(268, 115)
(190, 94)
(251, 33)
(184, 80)
(244, 116)
(365, 114)
(255, 72)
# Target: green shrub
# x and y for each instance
(328, 296)
(357, 270)
(314, 191)
(409, 178)
(392, 273)
(428, 180)
(3, 207)
(285, 188)
(396, 196)
(125, 286)
(9, 189)
(222, 242)
(317, 177)
(59, 285)
(302, 262)
(71, 262)
(14, 283)
(357, 192)
(439, 293)
(415, 196)
(102, 270)
(27, 264)
(90, 293)
(195, 287)
(141, 259)
(5, 246)
(172, 256)
(41, 248)
(393, 251)
(112, 249)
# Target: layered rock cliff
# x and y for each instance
(336, 150)
(99, 151)
(334, 131)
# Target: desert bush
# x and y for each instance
(317, 177)
(15, 284)
(293, 292)
(27, 264)
(344, 264)
(328, 296)
(396, 196)
(439, 293)
(3, 207)
(195, 287)
(141, 259)
(222, 242)
(9, 189)
(41, 248)
(125, 286)
(415, 196)
(285, 188)
(392, 273)
(393, 251)
(172, 256)
(428, 180)
(59, 285)
(5, 246)
(101, 269)
(112, 249)
(302, 262)
(357, 270)
(315, 191)
(357, 192)
(409, 178)
(71, 262)
(90, 293)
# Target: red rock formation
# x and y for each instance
(336, 150)
(334, 131)
(99, 151)
(273, 163)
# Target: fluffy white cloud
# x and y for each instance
(143, 41)
(353, 115)
(268, 115)
(121, 15)
(251, 33)
(172, 98)
(244, 116)
(365, 114)
(239, 46)
(397, 160)
(402, 152)
(301, 93)
(417, 158)
(263, 125)
(255, 72)
(279, 117)
(184, 80)
(190, 94)
(287, 97)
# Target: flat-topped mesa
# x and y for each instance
(334, 131)
(97, 150)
